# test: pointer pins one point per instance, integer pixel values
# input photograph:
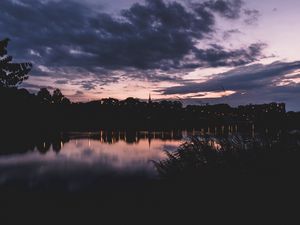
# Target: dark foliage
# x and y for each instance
(44, 96)
(11, 74)
(200, 158)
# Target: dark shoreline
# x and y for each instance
(212, 201)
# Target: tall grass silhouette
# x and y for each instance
(233, 156)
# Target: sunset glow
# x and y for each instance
(267, 30)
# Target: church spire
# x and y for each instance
(149, 100)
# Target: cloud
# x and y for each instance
(258, 83)
(79, 95)
(69, 38)
(230, 9)
(252, 16)
(227, 34)
(36, 87)
(217, 56)
(61, 81)
(240, 79)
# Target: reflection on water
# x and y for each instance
(77, 159)
(84, 158)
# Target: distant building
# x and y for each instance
(265, 108)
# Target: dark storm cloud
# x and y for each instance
(241, 79)
(252, 84)
(217, 56)
(230, 9)
(154, 35)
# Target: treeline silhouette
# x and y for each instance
(23, 110)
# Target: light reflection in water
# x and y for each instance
(84, 157)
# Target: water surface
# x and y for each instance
(83, 158)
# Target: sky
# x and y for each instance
(197, 51)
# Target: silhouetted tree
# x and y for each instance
(110, 102)
(59, 98)
(44, 96)
(131, 101)
(65, 101)
(11, 74)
